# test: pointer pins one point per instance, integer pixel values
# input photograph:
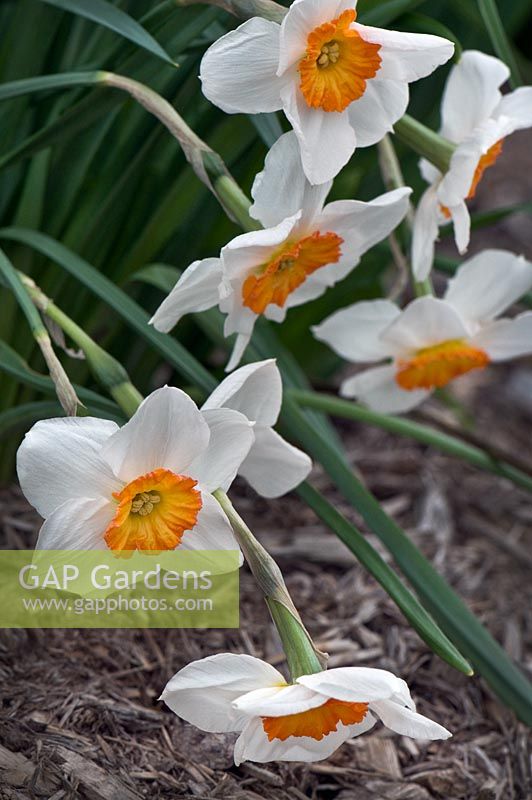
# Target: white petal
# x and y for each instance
(354, 332)
(202, 692)
(60, 459)
(274, 466)
(430, 173)
(353, 684)
(281, 189)
(310, 289)
(253, 743)
(255, 390)
(517, 106)
(456, 184)
(77, 525)
(408, 723)
(471, 94)
(302, 17)
(407, 56)
(197, 289)
(487, 284)
(374, 115)
(378, 389)
(229, 443)
(239, 71)
(425, 234)
(424, 322)
(327, 140)
(212, 530)
(462, 226)
(166, 431)
(361, 225)
(241, 343)
(279, 701)
(506, 338)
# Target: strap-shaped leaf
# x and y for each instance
(115, 19)
(116, 298)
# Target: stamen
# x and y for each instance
(337, 64)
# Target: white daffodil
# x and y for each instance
(145, 486)
(304, 721)
(477, 118)
(305, 248)
(342, 85)
(432, 341)
(273, 467)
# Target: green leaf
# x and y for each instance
(62, 80)
(372, 561)
(116, 298)
(162, 276)
(115, 19)
(24, 415)
(444, 442)
(388, 12)
(452, 615)
(499, 40)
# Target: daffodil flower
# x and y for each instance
(273, 467)
(304, 721)
(342, 85)
(432, 341)
(477, 118)
(305, 248)
(146, 486)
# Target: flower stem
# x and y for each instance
(425, 142)
(106, 369)
(244, 8)
(445, 443)
(302, 655)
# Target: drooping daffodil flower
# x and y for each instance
(273, 466)
(477, 118)
(305, 247)
(304, 721)
(342, 85)
(432, 341)
(144, 486)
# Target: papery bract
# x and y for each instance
(304, 721)
(433, 341)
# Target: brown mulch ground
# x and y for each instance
(80, 711)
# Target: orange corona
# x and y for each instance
(487, 160)
(434, 367)
(337, 64)
(317, 722)
(153, 513)
(271, 283)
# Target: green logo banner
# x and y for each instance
(98, 589)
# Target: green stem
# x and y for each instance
(244, 9)
(425, 142)
(451, 445)
(301, 654)
(106, 369)
(501, 44)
